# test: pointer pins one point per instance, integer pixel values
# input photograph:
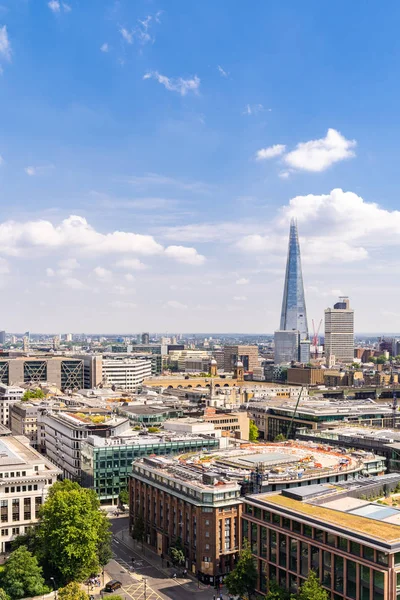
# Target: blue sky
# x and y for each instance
(153, 153)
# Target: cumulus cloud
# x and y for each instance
(175, 304)
(54, 6)
(129, 277)
(102, 273)
(69, 263)
(50, 272)
(104, 47)
(318, 155)
(270, 152)
(133, 264)
(182, 254)
(242, 281)
(175, 84)
(5, 45)
(31, 171)
(74, 284)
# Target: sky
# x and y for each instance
(153, 154)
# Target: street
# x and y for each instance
(159, 585)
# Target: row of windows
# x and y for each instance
(21, 488)
(320, 536)
(15, 474)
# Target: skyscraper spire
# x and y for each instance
(294, 314)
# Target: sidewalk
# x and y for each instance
(190, 582)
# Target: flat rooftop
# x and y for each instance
(129, 438)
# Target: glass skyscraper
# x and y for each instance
(294, 314)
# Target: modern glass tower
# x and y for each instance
(294, 315)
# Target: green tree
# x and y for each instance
(277, 593)
(123, 497)
(33, 394)
(22, 575)
(242, 580)
(177, 553)
(74, 532)
(138, 529)
(312, 589)
(253, 432)
(280, 438)
(29, 539)
(73, 591)
(153, 429)
(3, 595)
(381, 360)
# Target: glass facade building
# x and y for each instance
(107, 463)
(294, 315)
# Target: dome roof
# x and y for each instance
(239, 363)
(213, 361)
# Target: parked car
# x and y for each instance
(112, 585)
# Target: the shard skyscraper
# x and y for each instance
(293, 331)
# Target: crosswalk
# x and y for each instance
(138, 591)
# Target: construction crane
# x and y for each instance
(315, 338)
(289, 431)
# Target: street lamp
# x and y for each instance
(54, 587)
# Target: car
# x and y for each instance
(112, 585)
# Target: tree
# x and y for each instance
(74, 532)
(123, 497)
(381, 360)
(3, 595)
(33, 394)
(153, 429)
(177, 553)
(138, 529)
(242, 580)
(277, 593)
(29, 539)
(22, 575)
(280, 438)
(312, 589)
(73, 591)
(253, 432)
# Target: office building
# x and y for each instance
(23, 421)
(339, 332)
(246, 354)
(179, 501)
(287, 347)
(9, 395)
(25, 480)
(145, 338)
(65, 432)
(351, 543)
(293, 314)
(65, 373)
(107, 462)
(2, 338)
(231, 424)
(126, 373)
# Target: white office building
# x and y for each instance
(126, 373)
(9, 395)
(25, 479)
(339, 332)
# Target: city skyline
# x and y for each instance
(150, 169)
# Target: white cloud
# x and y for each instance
(242, 281)
(175, 84)
(240, 298)
(74, 284)
(182, 254)
(5, 46)
(318, 155)
(4, 267)
(31, 171)
(54, 6)
(123, 305)
(270, 152)
(175, 304)
(129, 277)
(284, 174)
(222, 71)
(104, 47)
(156, 179)
(102, 273)
(67, 8)
(143, 30)
(127, 35)
(254, 109)
(50, 272)
(69, 263)
(133, 264)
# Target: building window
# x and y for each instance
(4, 532)
(351, 579)
(15, 530)
(15, 509)
(4, 510)
(38, 504)
(27, 509)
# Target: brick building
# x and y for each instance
(178, 501)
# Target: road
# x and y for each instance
(159, 586)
